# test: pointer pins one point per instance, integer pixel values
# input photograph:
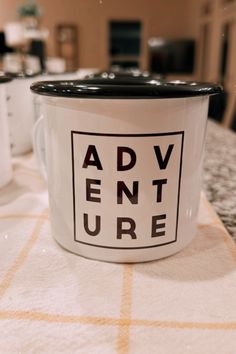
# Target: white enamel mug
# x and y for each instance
(123, 164)
(21, 113)
(5, 154)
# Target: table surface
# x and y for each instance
(219, 177)
(57, 302)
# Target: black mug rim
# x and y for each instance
(125, 88)
(4, 79)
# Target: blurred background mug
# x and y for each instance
(123, 164)
(5, 154)
(21, 112)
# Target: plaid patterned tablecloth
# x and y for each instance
(52, 301)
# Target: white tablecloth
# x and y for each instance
(52, 301)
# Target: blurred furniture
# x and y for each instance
(14, 34)
(125, 44)
(217, 106)
(15, 38)
(26, 40)
(67, 45)
(217, 50)
(37, 48)
(12, 63)
(3, 46)
(233, 126)
(55, 65)
(171, 56)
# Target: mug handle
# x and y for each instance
(39, 146)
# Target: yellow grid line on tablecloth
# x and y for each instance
(44, 216)
(18, 167)
(26, 156)
(28, 173)
(125, 310)
(22, 256)
(31, 172)
(109, 321)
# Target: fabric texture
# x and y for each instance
(52, 301)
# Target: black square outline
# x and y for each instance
(126, 135)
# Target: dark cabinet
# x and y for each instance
(125, 43)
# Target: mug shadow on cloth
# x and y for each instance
(207, 257)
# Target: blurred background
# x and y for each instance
(178, 39)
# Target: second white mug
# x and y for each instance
(5, 154)
(20, 113)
